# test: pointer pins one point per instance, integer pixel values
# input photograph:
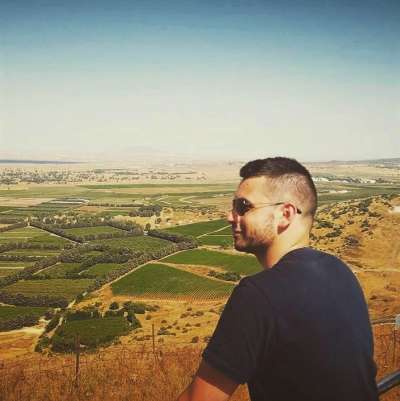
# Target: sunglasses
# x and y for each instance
(241, 206)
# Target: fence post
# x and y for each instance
(77, 352)
(396, 327)
(154, 344)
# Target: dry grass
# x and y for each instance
(136, 374)
(118, 375)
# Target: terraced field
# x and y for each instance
(162, 281)
(57, 288)
(242, 264)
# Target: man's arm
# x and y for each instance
(209, 384)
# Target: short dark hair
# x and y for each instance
(289, 175)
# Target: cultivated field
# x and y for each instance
(59, 270)
(14, 317)
(197, 229)
(85, 231)
(101, 269)
(28, 234)
(138, 243)
(242, 264)
(92, 332)
(57, 288)
(157, 280)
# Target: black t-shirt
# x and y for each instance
(299, 331)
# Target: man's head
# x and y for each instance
(276, 200)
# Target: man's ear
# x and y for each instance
(286, 214)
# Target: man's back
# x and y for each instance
(298, 331)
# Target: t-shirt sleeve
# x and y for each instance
(243, 334)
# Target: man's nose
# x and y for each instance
(230, 217)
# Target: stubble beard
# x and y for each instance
(255, 241)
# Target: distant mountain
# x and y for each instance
(16, 161)
(395, 160)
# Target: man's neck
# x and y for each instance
(270, 256)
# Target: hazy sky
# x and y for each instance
(315, 80)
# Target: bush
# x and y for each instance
(114, 313)
(163, 331)
(53, 323)
(139, 308)
(352, 240)
(335, 233)
(324, 224)
(83, 314)
(133, 320)
(43, 343)
(227, 276)
(114, 305)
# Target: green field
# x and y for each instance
(7, 272)
(32, 235)
(49, 239)
(58, 270)
(114, 212)
(21, 234)
(101, 269)
(155, 279)
(216, 240)
(15, 265)
(10, 312)
(58, 288)
(226, 231)
(197, 229)
(92, 332)
(167, 187)
(33, 252)
(84, 231)
(92, 253)
(242, 264)
(136, 243)
(356, 191)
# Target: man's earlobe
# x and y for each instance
(283, 224)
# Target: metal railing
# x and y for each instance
(389, 382)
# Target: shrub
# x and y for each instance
(325, 224)
(139, 308)
(114, 305)
(226, 276)
(53, 323)
(43, 343)
(133, 320)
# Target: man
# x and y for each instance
(299, 330)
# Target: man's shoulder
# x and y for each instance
(306, 256)
(297, 262)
